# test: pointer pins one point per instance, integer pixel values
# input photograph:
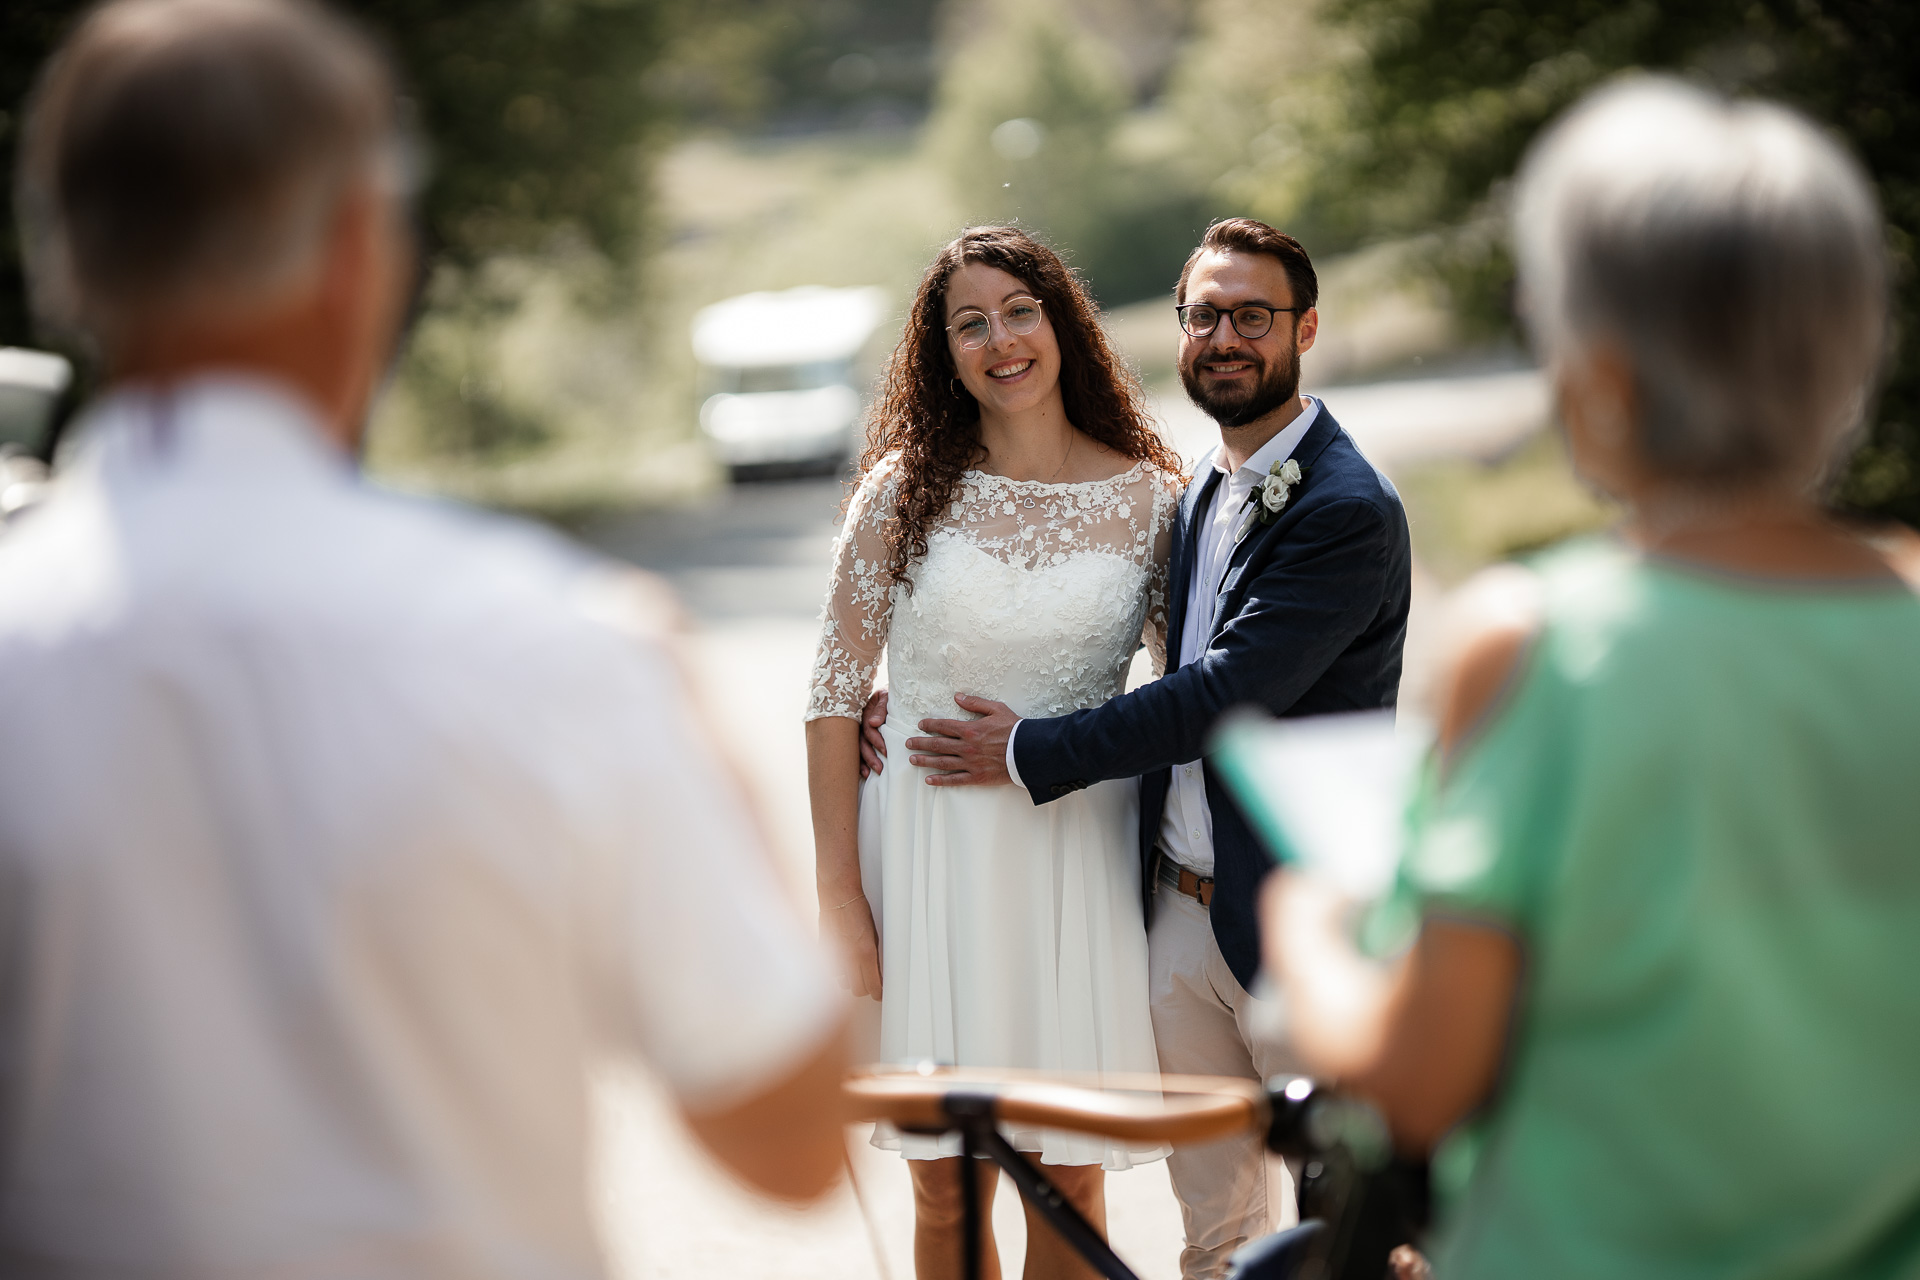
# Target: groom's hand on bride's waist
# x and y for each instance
(966, 753)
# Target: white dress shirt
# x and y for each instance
(1186, 826)
(340, 834)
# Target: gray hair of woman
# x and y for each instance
(1732, 255)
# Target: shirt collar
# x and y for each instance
(223, 420)
(1278, 449)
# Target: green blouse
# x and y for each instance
(1697, 807)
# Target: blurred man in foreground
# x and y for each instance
(338, 833)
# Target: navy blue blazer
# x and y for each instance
(1312, 617)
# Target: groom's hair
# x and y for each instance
(1248, 235)
(179, 152)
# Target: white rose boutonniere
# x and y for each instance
(1269, 497)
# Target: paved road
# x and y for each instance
(759, 552)
(751, 564)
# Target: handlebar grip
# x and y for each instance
(1307, 1118)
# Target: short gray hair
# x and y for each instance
(182, 151)
(1734, 253)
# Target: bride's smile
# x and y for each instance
(1004, 348)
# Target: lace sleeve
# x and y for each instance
(1166, 505)
(853, 625)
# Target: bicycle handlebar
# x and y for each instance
(1149, 1108)
(1366, 1199)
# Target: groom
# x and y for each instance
(1289, 587)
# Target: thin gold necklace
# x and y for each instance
(1028, 500)
(1063, 461)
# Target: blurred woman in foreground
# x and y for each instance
(1668, 861)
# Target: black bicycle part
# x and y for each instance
(1371, 1200)
(970, 1205)
(973, 1115)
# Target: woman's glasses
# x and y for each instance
(1250, 321)
(971, 328)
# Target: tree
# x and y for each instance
(538, 114)
(1449, 93)
(28, 30)
(1031, 122)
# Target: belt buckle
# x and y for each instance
(1190, 883)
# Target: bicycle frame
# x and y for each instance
(973, 1103)
(973, 1114)
(1368, 1199)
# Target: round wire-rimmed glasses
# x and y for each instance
(1249, 321)
(972, 327)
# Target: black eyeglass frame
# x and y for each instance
(1040, 305)
(1232, 315)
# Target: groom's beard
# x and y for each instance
(1237, 405)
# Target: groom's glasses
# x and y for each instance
(971, 328)
(1250, 321)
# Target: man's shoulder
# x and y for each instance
(443, 529)
(444, 564)
(346, 561)
(1341, 473)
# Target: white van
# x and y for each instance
(785, 372)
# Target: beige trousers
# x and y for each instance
(1204, 1023)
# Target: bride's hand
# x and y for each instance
(873, 747)
(859, 950)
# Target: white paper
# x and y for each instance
(1337, 786)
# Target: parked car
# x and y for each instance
(32, 386)
(784, 372)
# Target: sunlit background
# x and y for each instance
(604, 170)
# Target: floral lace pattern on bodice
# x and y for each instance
(1032, 594)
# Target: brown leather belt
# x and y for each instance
(1183, 880)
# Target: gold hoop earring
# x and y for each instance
(953, 384)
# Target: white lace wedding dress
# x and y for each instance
(1010, 933)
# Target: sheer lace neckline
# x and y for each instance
(1038, 590)
(1131, 473)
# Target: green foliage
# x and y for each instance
(28, 30)
(537, 113)
(1260, 96)
(1450, 92)
(801, 64)
(1031, 123)
(1466, 514)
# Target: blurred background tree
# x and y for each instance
(1053, 114)
(543, 120)
(1024, 121)
(28, 29)
(601, 168)
(536, 112)
(1444, 96)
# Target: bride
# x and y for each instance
(1008, 537)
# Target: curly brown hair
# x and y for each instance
(936, 429)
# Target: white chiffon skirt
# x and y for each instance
(1010, 936)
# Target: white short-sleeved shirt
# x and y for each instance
(339, 834)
